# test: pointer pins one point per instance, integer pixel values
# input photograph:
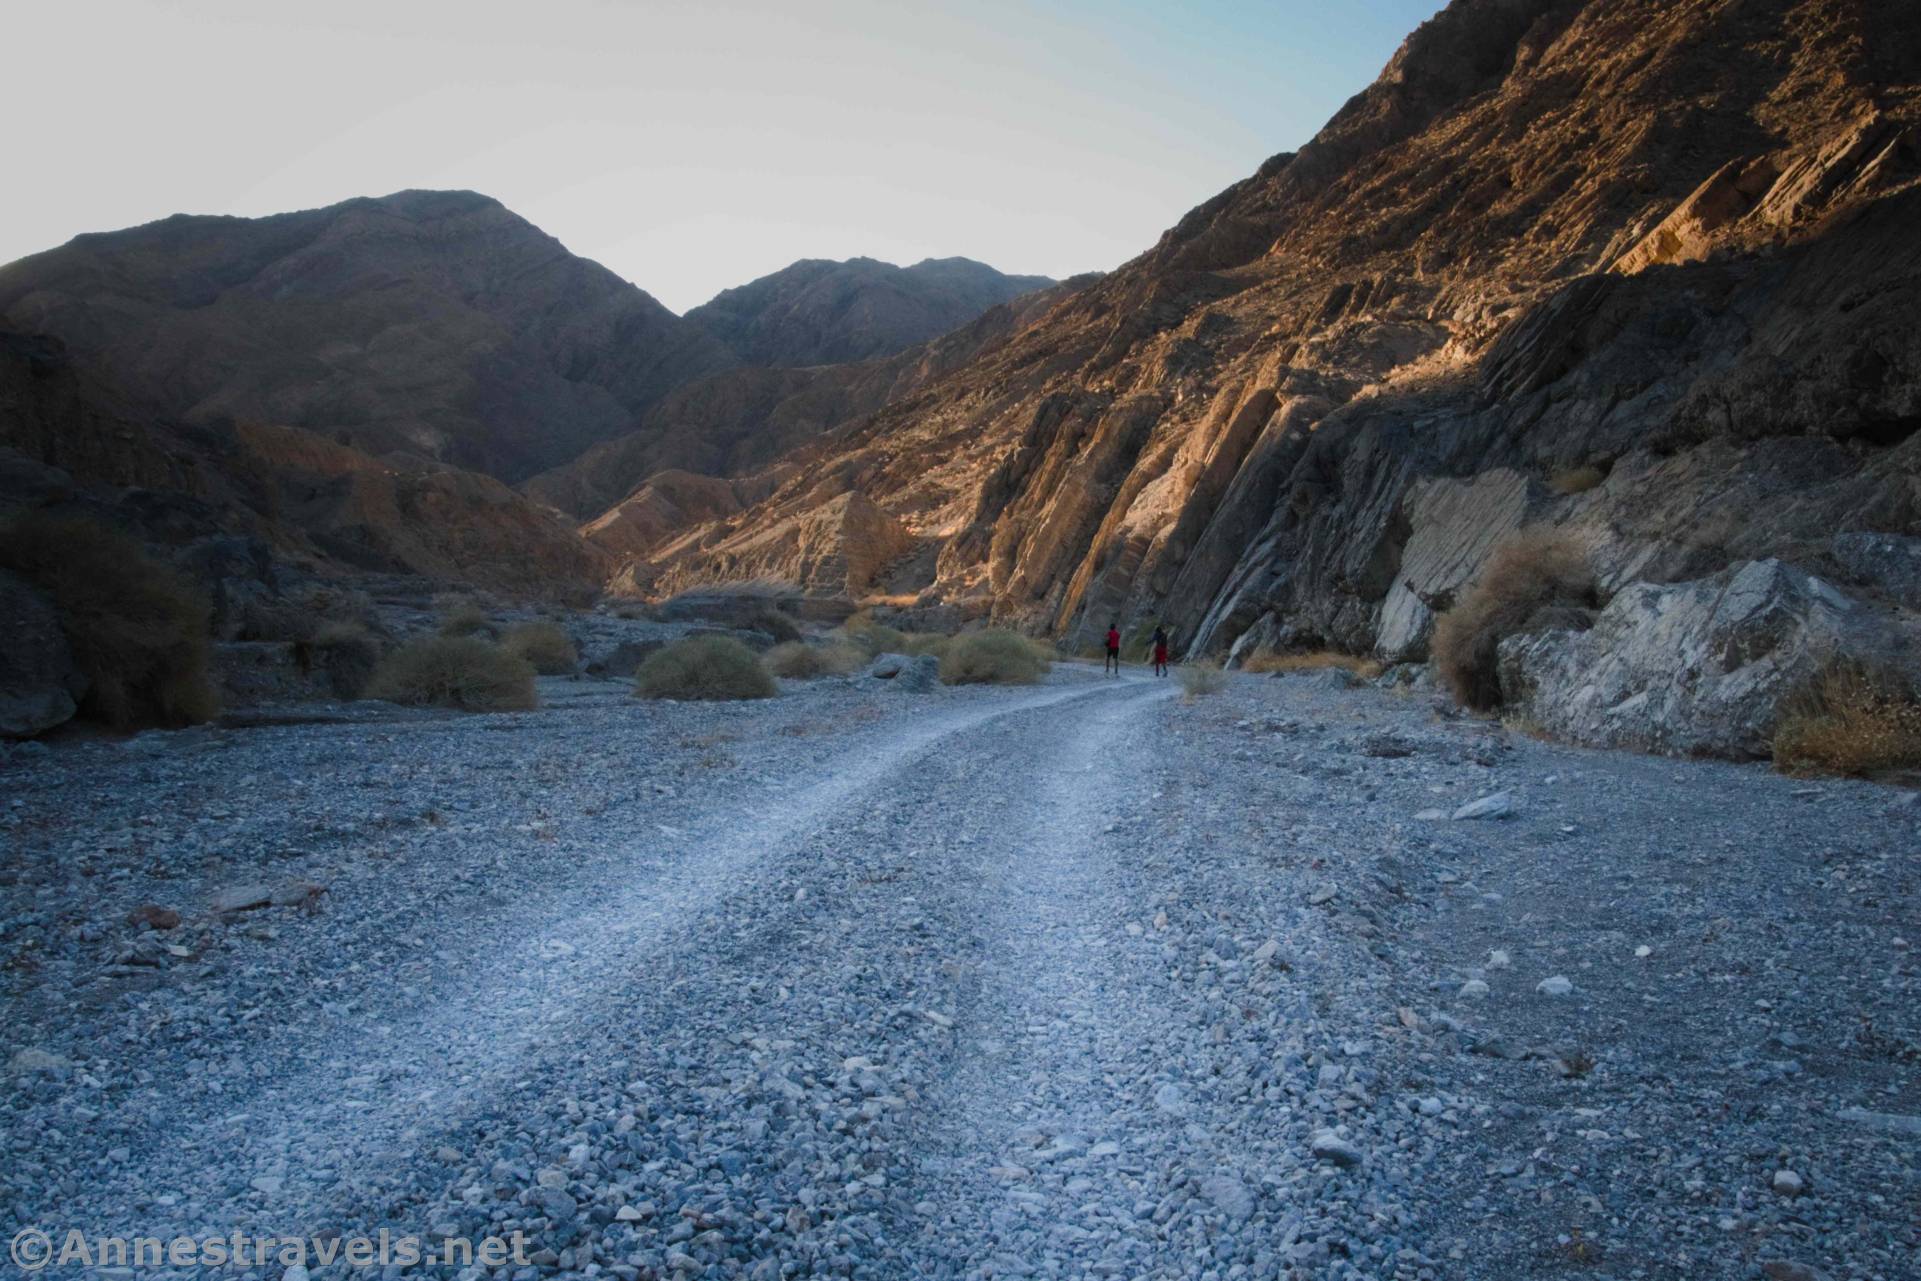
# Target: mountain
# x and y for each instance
(818, 312)
(741, 420)
(69, 438)
(1637, 269)
(430, 323)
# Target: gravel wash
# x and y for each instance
(1072, 981)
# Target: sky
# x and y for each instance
(687, 146)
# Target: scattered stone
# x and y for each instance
(242, 898)
(1499, 805)
(1473, 990)
(1556, 985)
(1330, 1147)
(35, 1059)
(151, 916)
(1788, 1183)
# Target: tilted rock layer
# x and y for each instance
(1643, 267)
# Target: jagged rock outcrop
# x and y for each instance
(1667, 247)
(434, 323)
(819, 312)
(1702, 666)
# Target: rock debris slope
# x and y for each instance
(1663, 246)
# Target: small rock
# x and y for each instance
(1328, 1146)
(1499, 805)
(1228, 1195)
(152, 916)
(242, 898)
(1473, 990)
(1323, 894)
(1788, 1183)
(1643, 952)
(1498, 960)
(1557, 985)
(35, 1059)
(1431, 816)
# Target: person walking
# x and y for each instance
(1160, 651)
(1113, 648)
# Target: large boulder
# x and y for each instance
(1697, 667)
(39, 685)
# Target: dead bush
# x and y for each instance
(464, 672)
(1266, 662)
(991, 658)
(704, 668)
(138, 629)
(1535, 578)
(798, 661)
(348, 653)
(464, 618)
(1850, 721)
(1197, 680)
(1575, 480)
(545, 647)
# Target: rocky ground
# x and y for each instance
(1075, 981)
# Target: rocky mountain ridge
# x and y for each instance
(820, 312)
(1663, 244)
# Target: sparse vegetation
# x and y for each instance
(875, 638)
(1536, 578)
(776, 624)
(464, 672)
(1266, 661)
(1197, 680)
(546, 647)
(704, 668)
(1576, 480)
(991, 658)
(349, 654)
(464, 618)
(1850, 722)
(139, 630)
(799, 661)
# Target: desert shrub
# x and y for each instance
(455, 671)
(546, 647)
(798, 661)
(705, 668)
(1199, 679)
(1266, 661)
(1849, 721)
(875, 638)
(138, 629)
(1535, 578)
(348, 653)
(1576, 480)
(990, 658)
(464, 618)
(776, 624)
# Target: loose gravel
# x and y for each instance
(1073, 981)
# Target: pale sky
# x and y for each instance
(687, 146)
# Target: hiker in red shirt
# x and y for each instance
(1113, 649)
(1160, 651)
